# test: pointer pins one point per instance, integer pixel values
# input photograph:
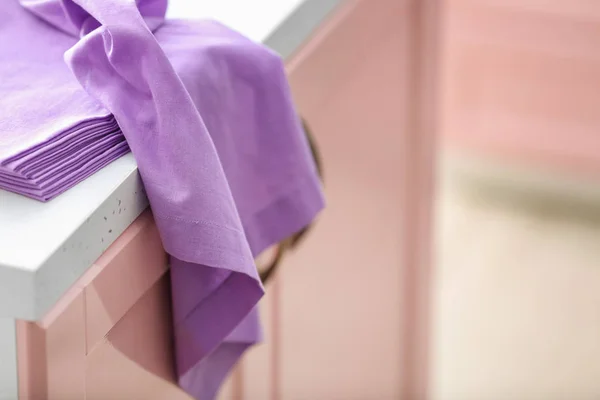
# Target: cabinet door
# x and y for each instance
(135, 359)
(340, 297)
(110, 330)
(335, 321)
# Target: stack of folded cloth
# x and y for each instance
(47, 169)
(53, 134)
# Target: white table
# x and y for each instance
(45, 247)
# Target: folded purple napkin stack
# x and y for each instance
(51, 167)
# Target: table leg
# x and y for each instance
(8, 360)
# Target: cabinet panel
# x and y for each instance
(111, 375)
(65, 351)
(121, 276)
(338, 330)
(135, 360)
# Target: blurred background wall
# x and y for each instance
(517, 310)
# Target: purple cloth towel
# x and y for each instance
(209, 118)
